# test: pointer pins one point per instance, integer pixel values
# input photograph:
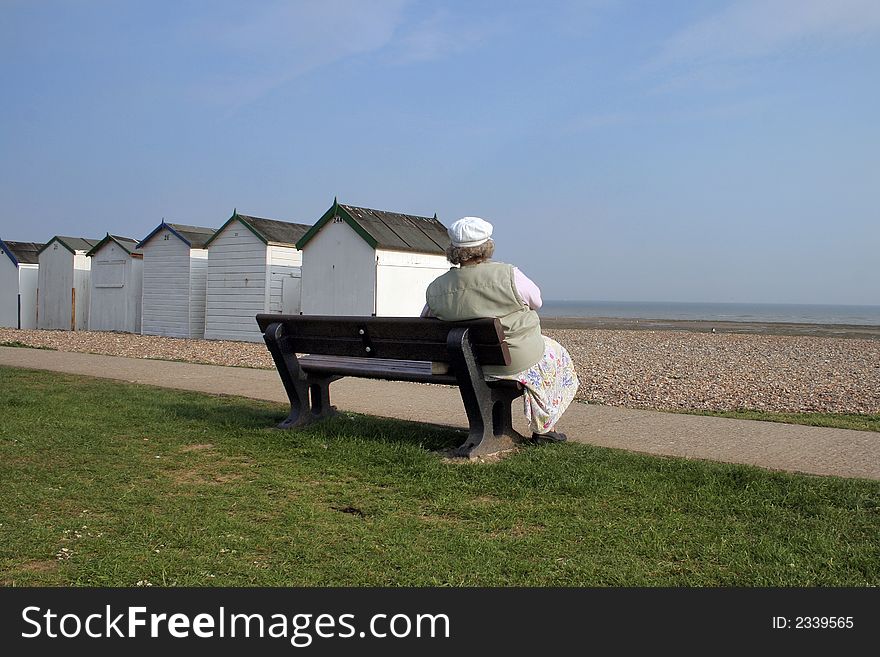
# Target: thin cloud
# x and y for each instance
(752, 29)
(439, 36)
(276, 43)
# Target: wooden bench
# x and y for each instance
(395, 349)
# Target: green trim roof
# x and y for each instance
(382, 229)
(268, 231)
(72, 244)
(127, 243)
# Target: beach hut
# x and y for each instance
(116, 285)
(253, 267)
(358, 261)
(18, 284)
(175, 278)
(63, 284)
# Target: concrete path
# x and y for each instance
(770, 445)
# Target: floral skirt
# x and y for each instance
(550, 385)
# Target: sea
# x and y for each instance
(719, 312)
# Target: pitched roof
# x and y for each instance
(269, 231)
(128, 245)
(387, 230)
(72, 244)
(195, 237)
(24, 253)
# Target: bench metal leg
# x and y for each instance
(309, 399)
(320, 397)
(488, 409)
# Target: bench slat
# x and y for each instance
(388, 369)
(388, 350)
(484, 330)
(396, 338)
(378, 368)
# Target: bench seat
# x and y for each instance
(389, 369)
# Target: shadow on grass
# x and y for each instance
(370, 428)
(237, 414)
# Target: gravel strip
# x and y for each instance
(668, 370)
(705, 371)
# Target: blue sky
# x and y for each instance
(624, 150)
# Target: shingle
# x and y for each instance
(25, 252)
(77, 243)
(402, 232)
(274, 231)
(129, 244)
(195, 235)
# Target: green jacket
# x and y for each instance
(488, 290)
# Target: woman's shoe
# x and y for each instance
(549, 437)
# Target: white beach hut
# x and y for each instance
(63, 283)
(18, 284)
(175, 278)
(253, 267)
(116, 285)
(358, 261)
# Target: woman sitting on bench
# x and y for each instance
(480, 287)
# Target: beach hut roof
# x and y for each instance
(21, 253)
(268, 231)
(382, 229)
(195, 237)
(127, 243)
(72, 244)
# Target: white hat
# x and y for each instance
(470, 231)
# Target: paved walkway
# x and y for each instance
(771, 445)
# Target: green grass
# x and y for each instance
(834, 420)
(109, 484)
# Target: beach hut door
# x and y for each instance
(291, 295)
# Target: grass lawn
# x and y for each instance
(109, 484)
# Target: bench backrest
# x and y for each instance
(399, 338)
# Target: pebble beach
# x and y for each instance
(685, 367)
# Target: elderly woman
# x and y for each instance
(480, 287)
